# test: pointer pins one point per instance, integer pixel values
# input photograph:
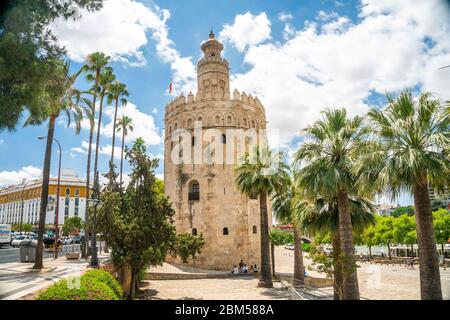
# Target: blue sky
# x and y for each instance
(296, 56)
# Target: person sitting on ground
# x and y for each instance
(235, 269)
(255, 269)
(245, 268)
(251, 268)
(241, 264)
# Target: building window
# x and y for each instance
(194, 191)
(200, 119)
(217, 120)
(225, 231)
(76, 211)
(224, 139)
(67, 202)
(194, 231)
(193, 141)
(245, 122)
(255, 230)
(229, 120)
(66, 211)
(77, 192)
(77, 201)
(67, 191)
(189, 122)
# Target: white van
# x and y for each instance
(5, 234)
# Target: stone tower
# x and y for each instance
(205, 135)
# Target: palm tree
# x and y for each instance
(329, 156)
(407, 153)
(321, 216)
(262, 172)
(95, 63)
(117, 91)
(123, 124)
(283, 205)
(60, 97)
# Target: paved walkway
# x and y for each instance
(376, 282)
(18, 279)
(238, 288)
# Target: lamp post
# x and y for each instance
(95, 201)
(57, 197)
(25, 182)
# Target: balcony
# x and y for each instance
(194, 196)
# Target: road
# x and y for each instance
(10, 254)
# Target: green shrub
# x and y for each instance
(94, 285)
(306, 247)
(106, 278)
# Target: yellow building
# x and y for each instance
(22, 202)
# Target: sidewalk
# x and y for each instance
(18, 279)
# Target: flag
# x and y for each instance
(170, 86)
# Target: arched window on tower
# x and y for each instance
(189, 123)
(229, 120)
(225, 231)
(255, 230)
(245, 122)
(253, 123)
(217, 120)
(194, 231)
(224, 139)
(194, 190)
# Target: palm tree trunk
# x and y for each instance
(272, 252)
(97, 142)
(88, 185)
(114, 131)
(350, 284)
(38, 264)
(266, 276)
(299, 272)
(337, 267)
(121, 156)
(370, 252)
(430, 280)
(88, 174)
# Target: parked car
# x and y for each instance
(67, 240)
(289, 246)
(17, 240)
(76, 240)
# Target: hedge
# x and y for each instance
(94, 285)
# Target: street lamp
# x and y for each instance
(95, 202)
(57, 197)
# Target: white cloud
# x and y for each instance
(247, 30)
(339, 64)
(15, 177)
(120, 29)
(1, 141)
(324, 16)
(143, 125)
(155, 111)
(283, 16)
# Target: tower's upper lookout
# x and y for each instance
(212, 48)
(213, 71)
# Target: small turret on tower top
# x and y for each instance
(212, 71)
